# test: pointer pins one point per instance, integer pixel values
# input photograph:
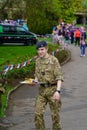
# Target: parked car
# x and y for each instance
(16, 34)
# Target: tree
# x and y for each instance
(12, 9)
(84, 5)
(42, 15)
(3, 4)
(68, 9)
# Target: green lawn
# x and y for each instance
(15, 54)
(18, 54)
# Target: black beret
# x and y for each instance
(41, 44)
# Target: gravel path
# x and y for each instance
(20, 113)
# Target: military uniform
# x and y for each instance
(48, 72)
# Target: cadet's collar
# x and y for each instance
(47, 55)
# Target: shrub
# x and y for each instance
(62, 55)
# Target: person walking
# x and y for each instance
(72, 36)
(82, 46)
(77, 36)
(49, 75)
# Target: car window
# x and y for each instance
(12, 29)
(5, 28)
(20, 29)
(9, 29)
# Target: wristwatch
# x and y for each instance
(58, 91)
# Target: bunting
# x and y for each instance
(21, 65)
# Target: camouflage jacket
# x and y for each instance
(48, 69)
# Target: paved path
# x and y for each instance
(74, 99)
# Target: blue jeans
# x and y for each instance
(82, 47)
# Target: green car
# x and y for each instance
(16, 34)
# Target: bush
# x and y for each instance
(62, 55)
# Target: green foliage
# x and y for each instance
(84, 4)
(68, 9)
(12, 9)
(42, 15)
(16, 54)
(61, 55)
(53, 47)
(49, 40)
(21, 73)
(4, 101)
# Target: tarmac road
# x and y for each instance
(20, 113)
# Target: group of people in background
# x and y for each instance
(65, 34)
(20, 22)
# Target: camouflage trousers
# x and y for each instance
(46, 96)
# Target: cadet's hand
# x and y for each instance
(56, 96)
(35, 81)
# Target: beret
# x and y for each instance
(41, 44)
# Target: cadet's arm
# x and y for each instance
(59, 82)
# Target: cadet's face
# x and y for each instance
(42, 52)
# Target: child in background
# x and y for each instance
(82, 46)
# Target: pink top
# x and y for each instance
(82, 42)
